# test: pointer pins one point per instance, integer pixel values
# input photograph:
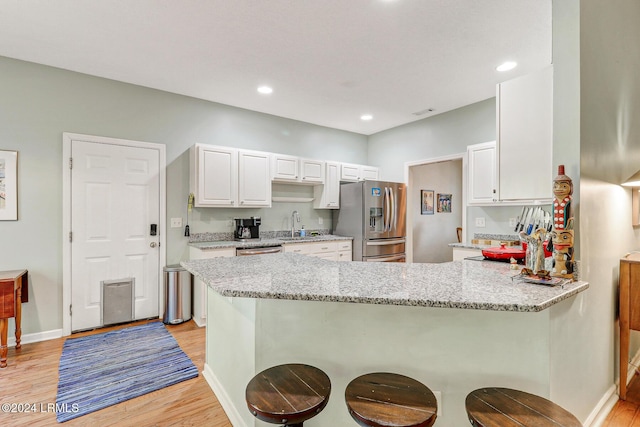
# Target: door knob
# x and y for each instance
(153, 244)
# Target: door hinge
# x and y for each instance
(70, 236)
(70, 311)
(70, 162)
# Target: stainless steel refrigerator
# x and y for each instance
(374, 213)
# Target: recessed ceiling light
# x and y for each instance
(265, 90)
(366, 117)
(506, 66)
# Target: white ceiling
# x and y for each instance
(328, 61)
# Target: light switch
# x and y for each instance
(176, 222)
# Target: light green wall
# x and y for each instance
(39, 103)
(437, 136)
(608, 138)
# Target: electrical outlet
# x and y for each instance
(320, 221)
(480, 222)
(438, 395)
(512, 222)
(230, 223)
(176, 222)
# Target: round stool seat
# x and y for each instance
(494, 406)
(288, 394)
(390, 400)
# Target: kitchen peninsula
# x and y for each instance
(454, 326)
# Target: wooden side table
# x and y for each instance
(13, 286)
(629, 295)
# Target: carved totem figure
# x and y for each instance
(562, 234)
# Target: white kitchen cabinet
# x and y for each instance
(293, 169)
(214, 175)
(285, 168)
(352, 172)
(313, 171)
(254, 179)
(369, 173)
(462, 253)
(327, 196)
(199, 297)
(482, 176)
(525, 137)
(227, 177)
(331, 250)
(345, 251)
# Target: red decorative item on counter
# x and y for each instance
(504, 252)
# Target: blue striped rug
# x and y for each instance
(101, 370)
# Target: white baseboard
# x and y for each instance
(36, 337)
(226, 403)
(599, 414)
(200, 322)
(602, 409)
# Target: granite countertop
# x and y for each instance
(479, 285)
(266, 242)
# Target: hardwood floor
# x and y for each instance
(626, 413)
(32, 377)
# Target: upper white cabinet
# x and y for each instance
(312, 171)
(294, 169)
(214, 175)
(327, 196)
(226, 177)
(525, 137)
(352, 173)
(483, 180)
(285, 168)
(254, 179)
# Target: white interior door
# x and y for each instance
(115, 198)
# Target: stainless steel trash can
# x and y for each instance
(177, 295)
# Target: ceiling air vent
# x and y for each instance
(420, 113)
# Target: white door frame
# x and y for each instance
(411, 202)
(66, 215)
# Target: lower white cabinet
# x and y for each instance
(462, 253)
(199, 295)
(332, 250)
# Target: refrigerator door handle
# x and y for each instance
(392, 213)
(385, 242)
(387, 210)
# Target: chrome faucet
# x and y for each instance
(294, 215)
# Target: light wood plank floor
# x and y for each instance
(32, 377)
(627, 413)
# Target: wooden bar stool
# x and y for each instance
(505, 407)
(288, 394)
(390, 400)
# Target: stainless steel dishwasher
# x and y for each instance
(259, 251)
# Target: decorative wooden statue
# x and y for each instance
(562, 234)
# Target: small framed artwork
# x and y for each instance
(426, 198)
(444, 203)
(8, 185)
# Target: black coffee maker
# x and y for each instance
(247, 228)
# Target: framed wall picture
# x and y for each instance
(8, 185)
(426, 202)
(444, 203)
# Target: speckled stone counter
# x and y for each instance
(266, 242)
(479, 285)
